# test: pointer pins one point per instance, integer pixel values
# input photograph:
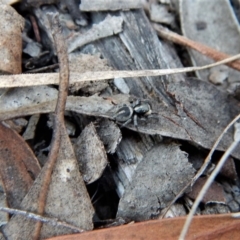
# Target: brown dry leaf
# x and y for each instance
(229, 170)
(158, 178)
(10, 40)
(90, 154)
(211, 227)
(19, 166)
(67, 199)
(215, 193)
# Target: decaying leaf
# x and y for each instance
(90, 154)
(67, 199)
(214, 25)
(109, 134)
(80, 63)
(211, 227)
(215, 193)
(229, 170)
(19, 166)
(10, 40)
(161, 174)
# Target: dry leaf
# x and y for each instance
(158, 178)
(213, 227)
(19, 166)
(10, 40)
(67, 199)
(213, 24)
(110, 134)
(215, 193)
(90, 154)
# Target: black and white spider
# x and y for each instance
(131, 113)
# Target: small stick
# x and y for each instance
(210, 180)
(42, 69)
(205, 50)
(59, 117)
(36, 217)
(35, 28)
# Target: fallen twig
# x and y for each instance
(36, 217)
(205, 50)
(59, 117)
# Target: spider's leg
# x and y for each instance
(135, 122)
(126, 123)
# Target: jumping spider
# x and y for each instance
(131, 113)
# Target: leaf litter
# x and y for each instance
(198, 120)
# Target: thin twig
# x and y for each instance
(23, 80)
(205, 50)
(203, 167)
(36, 217)
(210, 180)
(59, 116)
(42, 69)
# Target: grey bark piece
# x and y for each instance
(138, 47)
(109, 134)
(130, 153)
(108, 27)
(31, 128)
(162, 173)
(213, 24)
(90, 154)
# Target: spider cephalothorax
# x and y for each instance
(131, 113)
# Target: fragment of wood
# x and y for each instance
(108, 5)
(130, 153)
(109, 26)
(29, 133)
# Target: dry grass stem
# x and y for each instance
(23, 80)
(51, 221)
(205, 50)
